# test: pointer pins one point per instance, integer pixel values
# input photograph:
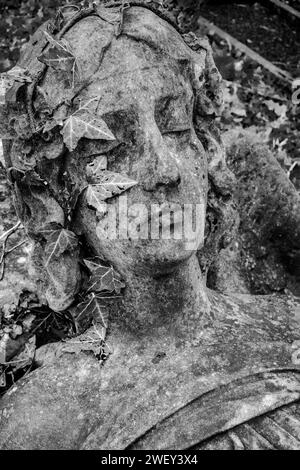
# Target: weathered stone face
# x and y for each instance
(157, 97)
(148, 101)
(147, 97)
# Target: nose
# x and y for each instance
(159, 165)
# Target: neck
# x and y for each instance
(170, 301)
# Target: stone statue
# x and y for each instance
(117, 97)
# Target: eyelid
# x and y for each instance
(179, 128)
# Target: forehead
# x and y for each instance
(148, 62)
(143, 25)
(133, 73)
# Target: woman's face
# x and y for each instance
(147, 101)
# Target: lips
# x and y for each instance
(164, 220)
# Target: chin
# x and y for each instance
(163, 256)
(156, 257)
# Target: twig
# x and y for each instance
(15, 247)
(2, 266)
(3, 239)
(294, 164)
(283, 9)
(7, 234)
(74, 19)
(13, 362)
(40, 324)
(282, 75)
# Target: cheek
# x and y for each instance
(194, 178)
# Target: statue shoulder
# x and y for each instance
(56, 404)
(279, 429)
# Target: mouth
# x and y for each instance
(165, 221)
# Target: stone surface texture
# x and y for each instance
(179, 350)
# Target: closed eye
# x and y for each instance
(180, 129)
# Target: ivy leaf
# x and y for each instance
(93, 263)
(108, 185)
(103, 279)
(84, 124)
(58, 242)
(90, 311)
(90, 105)
(59, 57)
(94, 200)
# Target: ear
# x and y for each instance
(210, 101)
(209, 94)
